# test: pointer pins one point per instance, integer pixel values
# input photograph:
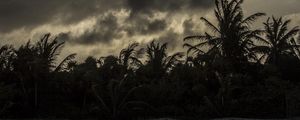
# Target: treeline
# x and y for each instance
(230, 71)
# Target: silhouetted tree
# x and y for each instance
(232, 34)
(277, 40)
(33, 65)
(129, 56)
(158, 62)
(223, 75)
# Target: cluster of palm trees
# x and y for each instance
(230, 71)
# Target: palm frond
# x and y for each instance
(294, 31)
(261, 40)
(64, 61)
(210, 25)
(193, 48)
(198, 37)
(250, 19)
(171, 60)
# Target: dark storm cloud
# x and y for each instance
(15, 14)
(105, 30)
(156, 25)
(29, 13)
(20, 13)
(144, 26)
(188, 27)
(173, 39)
(143, 10)
(142, 20)
(200, 3)
(64, 37)
(150, 6)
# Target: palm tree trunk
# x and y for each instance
(83, 104)
(287, 112)
(36, 98)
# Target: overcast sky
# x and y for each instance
(103, 27)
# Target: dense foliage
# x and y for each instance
(230, 71)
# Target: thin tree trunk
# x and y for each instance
(36, 98)
(83, 104)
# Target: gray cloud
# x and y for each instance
(173, 39)
(31, 13)
(188, 27)
(155, 26)
(200, 3)
(16, 14)
(87, 23)
(273, 7)
(144, 26)
(148, 6)
(63, 37)
(105, 30)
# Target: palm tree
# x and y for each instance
(112, 67)
(277, 45)
(231, 36)
(48, 52)
(158, 61)
(129, 56)
(34, 63)
(277, 40)
(157, 56)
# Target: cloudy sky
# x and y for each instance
(103, 27)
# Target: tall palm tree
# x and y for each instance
(48, 51)
(277, 40)
(278, 44)
(231, 36)
(156, 54)
(34, 63)
(40, 57)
